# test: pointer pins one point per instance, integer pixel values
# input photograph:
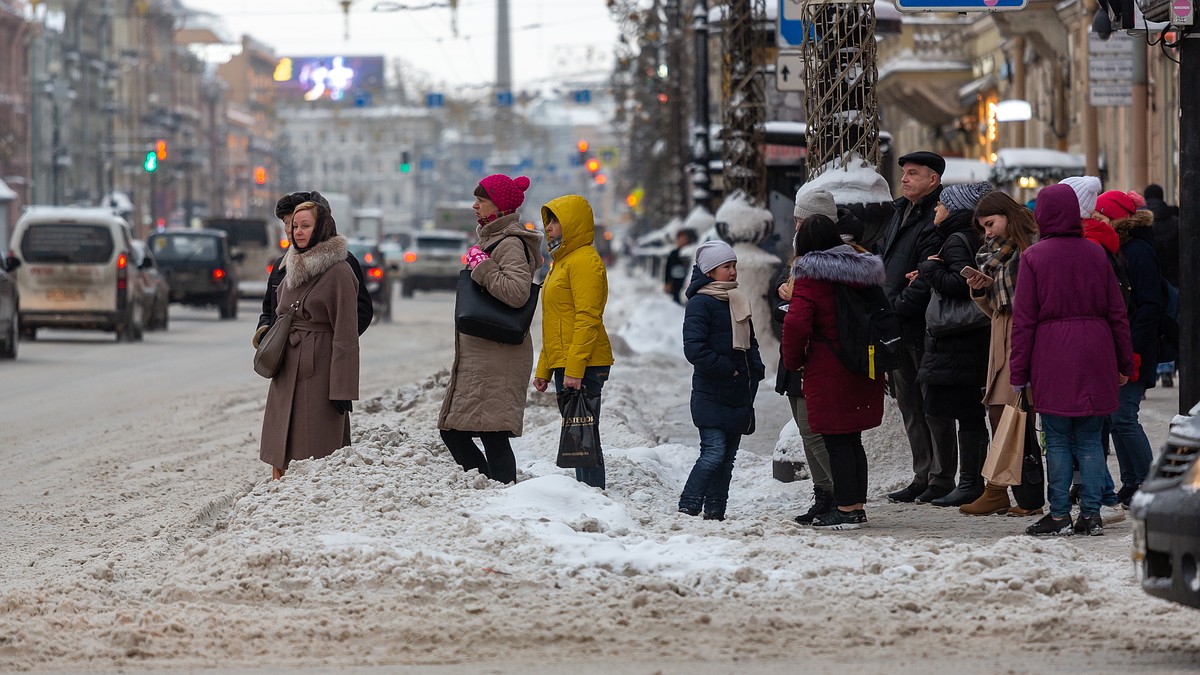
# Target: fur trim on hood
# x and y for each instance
(842, 265)
(1126, 226)
(300, 268)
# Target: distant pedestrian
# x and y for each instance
(910, 238)
(486, 393)
(677, 266)
(841, 404)
(1166, 245)
(311, 394)
(719, 342)
(1068, 296)
(575, 348)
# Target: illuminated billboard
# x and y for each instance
(327, 78)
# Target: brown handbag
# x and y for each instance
(268, 356)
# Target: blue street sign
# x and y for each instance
(434, 101)
(504, 99)
(790, 30)
(476, 165)
(426, 164)
(959, 5)
(362, 99)
(582, 95)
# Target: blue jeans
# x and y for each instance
(594, 378)
(707, 485)
(1129, 439)
(1074, 441)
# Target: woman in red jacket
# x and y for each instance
(841, 404)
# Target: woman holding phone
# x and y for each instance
(1008, 229)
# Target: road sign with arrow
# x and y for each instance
(789, 71)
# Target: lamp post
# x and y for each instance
(701, 183)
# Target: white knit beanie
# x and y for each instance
(712, 254)
(1086, 188)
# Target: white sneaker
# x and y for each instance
(1111, 514)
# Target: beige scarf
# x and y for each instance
(739, 309)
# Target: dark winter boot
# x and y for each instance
(822, 503)
(972, 447)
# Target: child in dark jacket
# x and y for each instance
(718, 340)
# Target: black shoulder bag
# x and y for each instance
(479, 314)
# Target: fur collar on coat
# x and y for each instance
(1125, 227)
(300, 268)
(843, 265)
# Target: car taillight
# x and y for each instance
(375, 272)
(464, 258)
(122, 261)
(409, 256)
(122, 271)
(368, 258)
(270, 268)
(218, 274)
(284, 243)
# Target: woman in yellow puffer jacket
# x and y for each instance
(575, 348)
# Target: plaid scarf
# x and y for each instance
(999, 259)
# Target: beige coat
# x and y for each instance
(489, 380)
(321, 361)
(998, 390)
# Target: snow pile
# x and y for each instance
(857, 183)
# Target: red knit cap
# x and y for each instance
(1116, 204)
(506, 193)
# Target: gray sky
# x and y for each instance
(552, 39)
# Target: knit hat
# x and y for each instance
(814, 201)
(712, 254)
(1086, 189)
(506, 193)
(1116, 204)
(964, 197)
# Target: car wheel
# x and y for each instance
(407, 288)
(28, 334)
(164, 316)
(229, 307)
(10, 344)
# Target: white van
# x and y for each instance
(78, 272)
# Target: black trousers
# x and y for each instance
(848, 464)
(499, 464)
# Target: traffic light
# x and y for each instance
(150, 164)
(160, 149)
(582, 145)
(600, 179)
(593, 165)
(260, 175)
(405, 165)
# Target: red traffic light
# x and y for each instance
(582, 145)
(260, 175)
(593, 165)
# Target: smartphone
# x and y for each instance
(969, 272)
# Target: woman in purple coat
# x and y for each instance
(1070, 344)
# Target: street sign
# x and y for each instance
(1105, 95)
(1110, 70)
(789, 27)
(504, 99)
(434, 100)
(789, 70)
(959, 5)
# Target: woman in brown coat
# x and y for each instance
(311, 393)
(486, 394)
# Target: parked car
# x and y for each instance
(1166, 517)
(199, 268)
(393, 246)
(10, 306)
(156, 294)
(376, 275)
(78, 271)
(433, 261)
(256, 244)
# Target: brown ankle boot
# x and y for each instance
(993, 502)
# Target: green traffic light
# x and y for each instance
(405, 167)
(151, 162)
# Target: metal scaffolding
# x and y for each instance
(745, 103)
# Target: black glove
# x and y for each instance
(342, 407)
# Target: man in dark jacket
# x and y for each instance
(1166, 232)
(677, 267)
(910, 239)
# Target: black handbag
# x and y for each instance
(579, 442)
(479, 314)
(950, 315)
(1031, 492)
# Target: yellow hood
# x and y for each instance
(578, 226)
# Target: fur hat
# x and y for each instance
(813, 201)
(712, 254)
(506, 193)
(1116, 205)
(964, 197)
(1086, 188)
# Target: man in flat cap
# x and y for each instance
(911, 238)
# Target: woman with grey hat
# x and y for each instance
(954, 364)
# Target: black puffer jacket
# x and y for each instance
(959, 359)
(366, 309)
(907, 243)
(787, 382)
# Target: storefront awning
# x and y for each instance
(6, 193)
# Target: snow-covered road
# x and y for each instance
(137, 532)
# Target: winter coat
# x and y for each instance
(489, 380)
(1070, 335)
(724, 379)
(997, 390)
(320, 361)
(1166, 238)
(366, 309)
(909, 241)
(787, 382)
(959, 359)
(1147, 304)
(839, 401)
(573, 295)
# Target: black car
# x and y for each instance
(198, 267)
(10, 305)
(375, 272)
(1166, 517)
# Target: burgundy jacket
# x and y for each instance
(1070, 334)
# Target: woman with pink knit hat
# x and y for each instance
(486, 393)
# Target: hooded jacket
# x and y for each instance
(1070, 335)
(1147, 302)
(724, 380)
(839, 401)
(573, 295)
